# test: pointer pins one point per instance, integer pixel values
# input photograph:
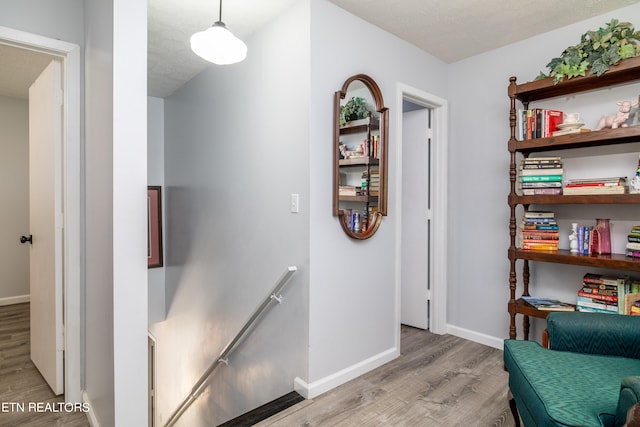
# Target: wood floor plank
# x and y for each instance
(439, 380)
(20, 382)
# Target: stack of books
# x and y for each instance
(608, 294)
(633, 242)
(537, 123)
(541, 175)
(615, 185)
(349, 190)
(539, 231)
(374, 182)
(635, 309)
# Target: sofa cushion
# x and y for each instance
(564, 388)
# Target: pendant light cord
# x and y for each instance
(220, 14)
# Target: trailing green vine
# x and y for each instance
(597, 51)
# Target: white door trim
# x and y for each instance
(69, 54)
(438, 248)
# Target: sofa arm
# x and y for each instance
(629, 396)
(595, 333)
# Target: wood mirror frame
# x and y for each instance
(374, 206)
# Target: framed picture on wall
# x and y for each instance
(154, 223)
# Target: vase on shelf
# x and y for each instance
(573, 238)
(603, 229)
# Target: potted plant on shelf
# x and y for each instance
(354, 109)
(597, 51)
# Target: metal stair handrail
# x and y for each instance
(199, 386)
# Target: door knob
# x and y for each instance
(25, 239)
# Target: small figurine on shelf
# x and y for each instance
(619, 119)
(634, 184)
(573, 238)
(343, 148)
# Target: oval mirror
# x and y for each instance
(361, 124)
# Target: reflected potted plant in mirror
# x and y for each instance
(354, 109)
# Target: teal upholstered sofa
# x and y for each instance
(589, 376)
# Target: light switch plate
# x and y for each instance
(295, 203)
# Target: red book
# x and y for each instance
(553, 119)
(601, 297)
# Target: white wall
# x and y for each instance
(352, 285)
(479, 177)
(116, 179)
(14, 193)
(155, 176)
(236, 147)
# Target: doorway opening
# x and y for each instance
(68, 55)
(421, 266)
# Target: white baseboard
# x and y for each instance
(14, 300)
(316, 388)
(93, 422)
(476, 337)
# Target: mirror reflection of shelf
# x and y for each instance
(359, 161)
(360, 164)
(360, 125)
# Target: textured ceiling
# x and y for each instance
(450, 30)
(171, 23)
(456, 29)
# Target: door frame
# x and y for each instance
(438, 242)
(69, 54)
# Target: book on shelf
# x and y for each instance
(553, 247)
(607, 292)
(541, 191)
(541, 178)
(539, 214)
(348, 190)
(582, 191)
(570, 131)
(613, 185)
(631, 302)
(598, 304)
(542, 159)
(541, 171)
(585, 309)
(537, 123)
(556, 184)
(633, 242)
(548, 304)
(610, 298)
(585, 182)
(537, 237)
(540, 165)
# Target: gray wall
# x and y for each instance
(236, 147)
(14, 193)
(353, 297)
(60, 20)
(155, 176)
(478, 174)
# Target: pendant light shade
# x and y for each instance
(218, 45)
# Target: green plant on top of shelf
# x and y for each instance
(597, 51)
(354, 109)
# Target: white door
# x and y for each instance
(45, 224)
(415, 219)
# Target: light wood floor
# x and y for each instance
(20, 381)
(439, 380)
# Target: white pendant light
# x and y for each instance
(218, 45)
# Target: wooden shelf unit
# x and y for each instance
(625, 72)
